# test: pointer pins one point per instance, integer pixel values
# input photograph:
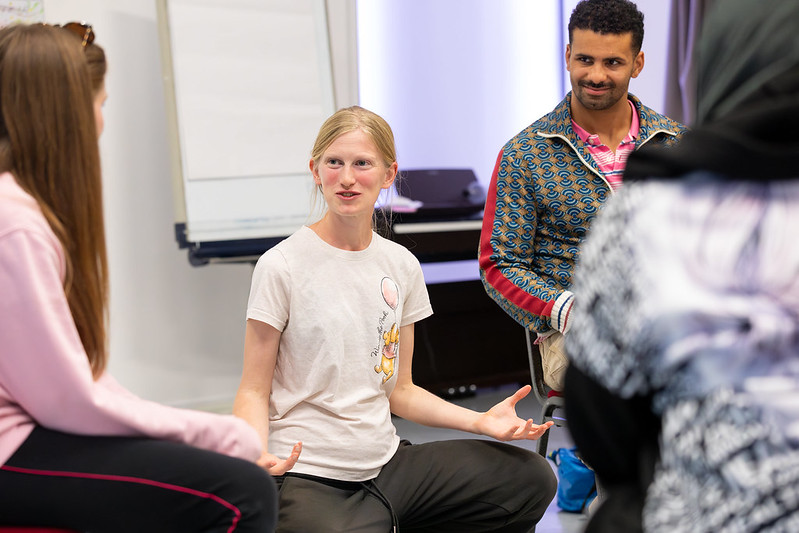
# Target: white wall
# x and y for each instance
(457, 78)
(176, 330)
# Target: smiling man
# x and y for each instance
(551, 179)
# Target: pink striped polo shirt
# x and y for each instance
(609, 162)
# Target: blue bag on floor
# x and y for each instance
(576, 482)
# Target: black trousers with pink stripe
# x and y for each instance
(119, 485)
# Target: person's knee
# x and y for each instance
(540, 485)
(543, 477)
(549, 484)
(258, 503)
(526, 479)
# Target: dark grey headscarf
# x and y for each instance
(747, 124)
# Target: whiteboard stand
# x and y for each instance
(247, 84)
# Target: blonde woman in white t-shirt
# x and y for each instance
(327, 360)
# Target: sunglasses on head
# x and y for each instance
(82, 30)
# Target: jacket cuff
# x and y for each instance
(561, 311)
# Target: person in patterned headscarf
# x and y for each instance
(688, 348)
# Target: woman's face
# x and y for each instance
(351, 173)
(99, 100)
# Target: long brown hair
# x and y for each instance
(95, 56)
(48, 141)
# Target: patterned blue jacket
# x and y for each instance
(545, 191)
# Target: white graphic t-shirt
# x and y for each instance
(339, 312)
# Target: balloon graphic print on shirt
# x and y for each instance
(390, 337)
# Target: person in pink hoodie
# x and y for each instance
(77, 449)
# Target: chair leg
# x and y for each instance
(546, 415)
(541, 446)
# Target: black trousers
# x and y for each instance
(119, 485)
(618, 438)
(457, 485)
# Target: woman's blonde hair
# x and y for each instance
(48, 141)
(356, 118)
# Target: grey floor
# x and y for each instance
(555, 520)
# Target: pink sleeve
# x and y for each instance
(44, 369)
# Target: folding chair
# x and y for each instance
(551, 400)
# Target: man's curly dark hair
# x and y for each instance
(609, 16)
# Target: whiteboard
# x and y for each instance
(247, 84)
